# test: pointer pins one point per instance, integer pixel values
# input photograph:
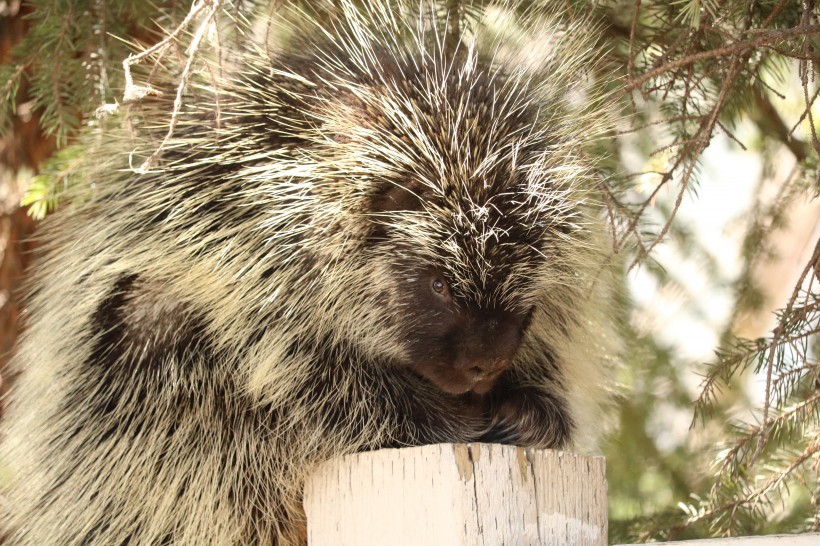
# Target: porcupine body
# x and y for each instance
(383, 239)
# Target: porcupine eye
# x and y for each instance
(439, 287)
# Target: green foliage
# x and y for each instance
(43, 194)
(727, 63)
(67, 61)
(692, 10)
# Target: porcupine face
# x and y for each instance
(461, 228)
(456, 345)
(439, 162)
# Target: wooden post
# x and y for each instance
(458, 495)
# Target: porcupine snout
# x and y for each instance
(486, 349)
(474, 350)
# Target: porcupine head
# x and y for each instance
(452, 209)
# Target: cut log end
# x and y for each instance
(458, 494)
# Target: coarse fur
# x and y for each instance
(385, 236)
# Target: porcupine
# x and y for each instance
(385, 238)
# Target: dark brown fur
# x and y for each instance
(355, 257)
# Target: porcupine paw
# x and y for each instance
(528, 418)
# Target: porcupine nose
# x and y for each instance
(480, 375)
(488, 349)
(481, 369)
(482, 359)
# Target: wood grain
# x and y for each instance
(457, 494)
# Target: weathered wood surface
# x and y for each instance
(457, 494)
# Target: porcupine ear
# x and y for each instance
(394, 196)
(389, 198)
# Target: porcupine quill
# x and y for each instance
(385, 238)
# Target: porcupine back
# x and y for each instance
(201, 332)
